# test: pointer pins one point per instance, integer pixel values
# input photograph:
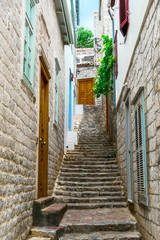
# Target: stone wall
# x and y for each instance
(19, 115)
(88, 71)
(145, 71)
(105, 18)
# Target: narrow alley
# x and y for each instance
(90, 184)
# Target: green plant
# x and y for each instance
(85, 38)
(104, 77)
(113, 154)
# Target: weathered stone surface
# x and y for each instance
(144, 71)
(19, 114)
(39, 238)
(83, 191)
(103, 236)
(90, 166)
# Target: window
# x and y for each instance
(116, 54)
(141, 152)
(29, 43)
(112, 3)
(123, 16)
(57, 69)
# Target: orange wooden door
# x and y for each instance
(43, 137)
(85, 93)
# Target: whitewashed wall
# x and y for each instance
(69, 64)
(137, 11)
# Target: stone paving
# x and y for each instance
(96, 216)
(103, 236)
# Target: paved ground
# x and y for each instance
(96, 216)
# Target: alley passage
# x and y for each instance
(90, 184)
(90, 177)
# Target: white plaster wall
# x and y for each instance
(69, 64)
(137, 11)
(79, 109)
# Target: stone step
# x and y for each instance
(91, 167)
(90, 158)
(93, 147)
(83, 174)
(80, 164)
(85, 170)
(89, 153)
(69, 199)
(87, 160)
(49, 216)
(38, 238)
(92, 141)
(91, 188)
(94, 144)
(101, 219)
(89, 183)
(92, 138)
(107, 164)
(88, 193)
(94, 179)
(110, 235)
(53, 233)
(96, 205)
(43, 202)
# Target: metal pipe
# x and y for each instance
(114, 79)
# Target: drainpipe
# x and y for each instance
(114, 83)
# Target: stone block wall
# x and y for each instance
(145, 71)
(19, 115)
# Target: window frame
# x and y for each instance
(29, 44)
(141, 159)
(112, 3)
(124, 23)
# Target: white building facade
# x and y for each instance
(137, 49)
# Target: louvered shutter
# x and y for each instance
(141, 153)
(29, 43)
(116, 54)
(123, 16)
(112, 3)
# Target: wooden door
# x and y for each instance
(85, 92)
(43, 136)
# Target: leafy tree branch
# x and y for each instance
(85, 38)
(104, 77)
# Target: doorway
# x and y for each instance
(43, 131)
(85, 91)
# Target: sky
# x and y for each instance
(87, 7)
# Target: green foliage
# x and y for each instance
(113, 154)
(104, 77)
(85, 38)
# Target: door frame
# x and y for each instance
(84, 79)
(129, 151)
(44, 68)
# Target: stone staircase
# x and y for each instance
(90, 184)
(90, 176)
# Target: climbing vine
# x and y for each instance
(104, 77)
